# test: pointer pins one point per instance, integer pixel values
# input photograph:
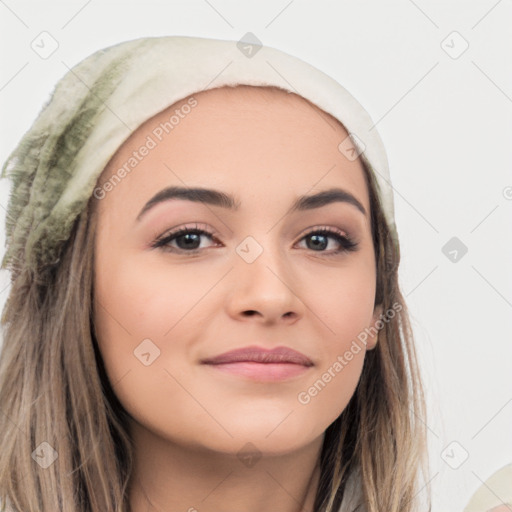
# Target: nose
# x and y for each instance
(264, 291)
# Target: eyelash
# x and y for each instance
(346, 243)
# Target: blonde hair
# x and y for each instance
(54, 389)
(381, 434)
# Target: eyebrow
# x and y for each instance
(223, 200)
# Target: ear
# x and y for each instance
(373, 337)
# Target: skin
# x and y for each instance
(188, 420)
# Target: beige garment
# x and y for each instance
(495, 494)
(353, 495)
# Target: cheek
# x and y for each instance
(328, 393)
(345, 303)
(126, 312)
(143, 309)
(142, 299)
(134, 308)
(345, 306)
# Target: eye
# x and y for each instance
(319, 240)
(188, 240)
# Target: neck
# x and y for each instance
(170, 477)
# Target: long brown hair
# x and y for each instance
(54, 390)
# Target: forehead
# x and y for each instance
(268, 102)
(252, 104)
(239, 137)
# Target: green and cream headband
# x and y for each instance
(99, 103)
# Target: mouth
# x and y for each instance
(257, 363)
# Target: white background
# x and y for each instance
(446, 125)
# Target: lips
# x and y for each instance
(254, 354)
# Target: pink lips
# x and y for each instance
(261, 364)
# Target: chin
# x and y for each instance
(268, 438)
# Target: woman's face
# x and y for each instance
(261, 275)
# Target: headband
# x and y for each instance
(101, 101)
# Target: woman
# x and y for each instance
(205, 311)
